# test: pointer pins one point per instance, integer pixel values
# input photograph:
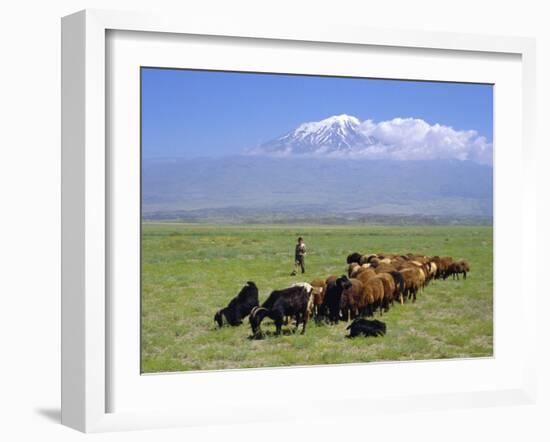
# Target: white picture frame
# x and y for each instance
(86, 207)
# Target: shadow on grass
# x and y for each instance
(272, 334)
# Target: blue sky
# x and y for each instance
(198, 113)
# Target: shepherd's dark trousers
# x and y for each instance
(300, 262)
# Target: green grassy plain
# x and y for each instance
(189, 271)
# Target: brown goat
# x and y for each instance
(365, 259)
(359, 270)
(464, 266)
(352, 302)
(389, 289)
(411, 282)
(385, 268)
(365, 275)
(318, 295)
(442, 266)
(373, 294)
(353, 267)
(455, 269)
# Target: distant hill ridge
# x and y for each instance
(311, 186)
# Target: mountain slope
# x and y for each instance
(318, 185)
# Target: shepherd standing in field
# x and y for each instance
(299, 253)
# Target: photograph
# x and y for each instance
(303, 220)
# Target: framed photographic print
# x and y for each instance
(275, 210)
(401, 201)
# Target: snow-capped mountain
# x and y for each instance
(336, 134)
(345, 136)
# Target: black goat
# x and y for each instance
(333, 297)
(294, 301)
(240, 306)
(366, 327)
(353, 257)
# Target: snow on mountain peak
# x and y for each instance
(334, 122)
(335, 133)
(342, 119)
(344, 136)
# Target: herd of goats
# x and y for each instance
(373, 283)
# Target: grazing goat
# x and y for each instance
(366, 327)
(239, 307)
(318, 296)
(352, 268)
(333, 298)
(442, 266)
(455, 269)
(351, 303)
(373, 293)
(293, 301)
(367, 259)
(399, 286)
(384, 268)
(365, 275)
(464, 267)
(389, 290)
(421, 272)
(311, 291)
(353, 257)
(411, 280)
(432, 271)
(359, 269)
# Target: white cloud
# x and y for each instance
(344, 136)
(415, 139)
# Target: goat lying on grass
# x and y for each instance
(366, 327)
